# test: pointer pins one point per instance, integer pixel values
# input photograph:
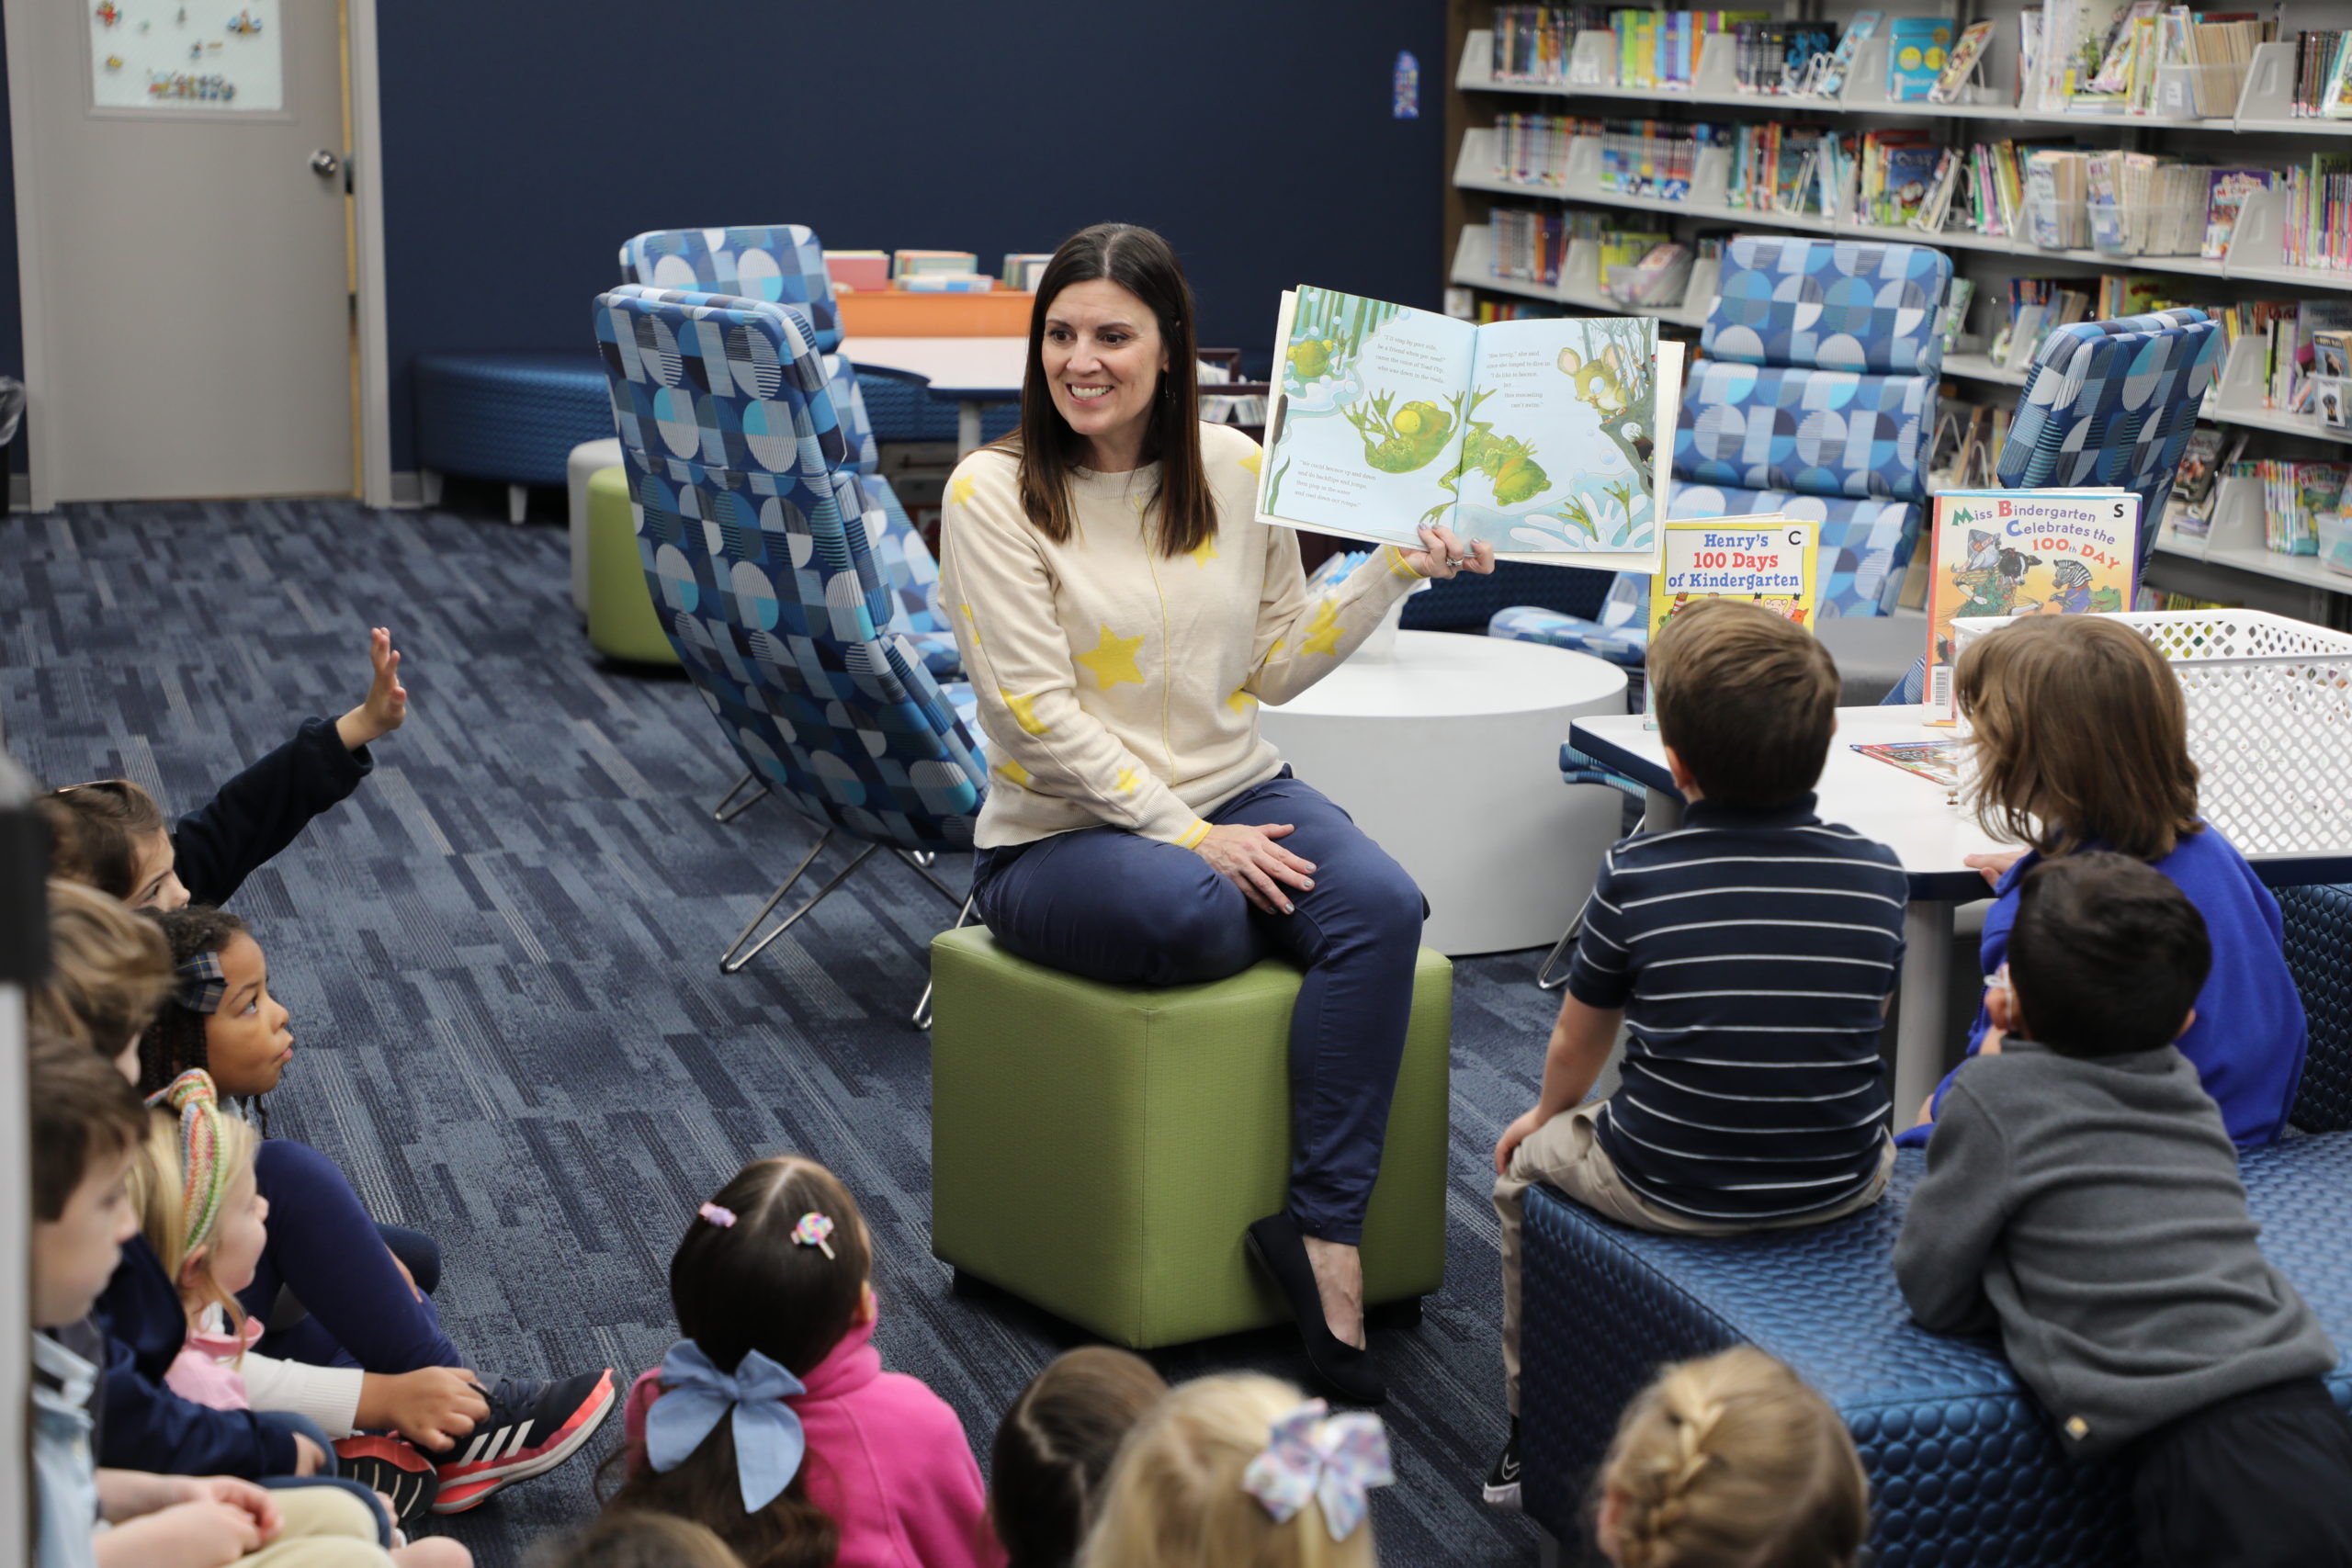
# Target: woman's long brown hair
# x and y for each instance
(749, 1287)
(1140, 261)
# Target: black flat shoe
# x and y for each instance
(1343, 1371)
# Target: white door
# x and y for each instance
(186, 286)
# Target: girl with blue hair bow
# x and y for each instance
(771, 1421)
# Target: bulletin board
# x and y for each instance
(205, 55)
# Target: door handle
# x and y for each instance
(325, 165)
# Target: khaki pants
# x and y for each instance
(326, 1527)
(1564, 1152)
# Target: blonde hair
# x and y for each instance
(1174, 1496)
(159, 1186)
(110, 970)
(1731, 1461)
(2079, 732)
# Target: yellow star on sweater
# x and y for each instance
(1013, 773)
(1114, 660)
(1323, 633)
(1207, 552)
(960, 492)
(1240, 700)
(1024, 712)
(1250, 462)
(1126, 781)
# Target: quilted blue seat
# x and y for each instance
(1962, 1470)
(1816, 399)
(510, 417)
(784, 265)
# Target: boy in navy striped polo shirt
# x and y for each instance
(1750, 956)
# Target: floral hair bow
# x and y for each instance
(198, 984)
(695, 1396)
(1334, 1460)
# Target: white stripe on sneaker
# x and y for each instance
(522, 1435)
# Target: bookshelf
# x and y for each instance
(2260, 129)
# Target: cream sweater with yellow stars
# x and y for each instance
(1118, 686)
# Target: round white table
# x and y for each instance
(971, 372)
(1448, 753)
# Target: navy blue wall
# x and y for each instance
(525, 140)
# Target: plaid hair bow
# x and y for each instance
(198, 984)
(1335, 1460)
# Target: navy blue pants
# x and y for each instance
(1107, 905)
(325, 1251)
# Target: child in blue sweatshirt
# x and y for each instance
(2081, 743)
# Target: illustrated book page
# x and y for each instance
(1548, 439)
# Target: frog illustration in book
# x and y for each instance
(1408, 439)
(1506, 460)
(1318, 364)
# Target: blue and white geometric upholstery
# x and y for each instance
(2318, 936)
(783, 264)
(1817, 432)
(1620, 634)
(1964, 1469)
(751, 526)
(2113, 404)
(1828, 305)
(1861, 551)
(916, 612)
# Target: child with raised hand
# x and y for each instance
(2080, 739)
(771, 1421)
(206, 1221)
(1240, 1473)
(1055, 1446)
(1731, 1461)
(355, 1304)
(87, 1129)
(113, 835)
(1748, 958)
(2083, 1197)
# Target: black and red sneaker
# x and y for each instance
(533, 1426)
(389, 1463)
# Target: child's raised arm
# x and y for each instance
(385, 707)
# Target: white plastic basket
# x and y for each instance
(2269, 722)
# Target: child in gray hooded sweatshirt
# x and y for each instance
(2083, 1197)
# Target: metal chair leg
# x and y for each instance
(922, 1004)
(730, 963)
(919, 861)
(719, 813)
(1544, 979)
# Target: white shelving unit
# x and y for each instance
(2233, 398)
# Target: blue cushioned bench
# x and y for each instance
(1963, 1472)
(511, 417)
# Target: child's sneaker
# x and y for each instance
(532, 1427)
(389, 1464)
(1502, 1481)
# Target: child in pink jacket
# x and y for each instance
(771, 1422)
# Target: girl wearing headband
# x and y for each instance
(339, 1290)
(771, 1421)
(1241, 1473)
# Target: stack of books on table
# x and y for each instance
(938, 272)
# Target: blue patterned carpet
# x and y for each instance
(501, 961)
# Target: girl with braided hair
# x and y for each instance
(1731, 1461)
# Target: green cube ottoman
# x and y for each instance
(621, 622)
(1098, 1150)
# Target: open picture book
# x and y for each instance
(1552, 440)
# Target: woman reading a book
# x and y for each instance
(1123, 613)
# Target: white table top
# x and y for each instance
(1910, 815)
(1434, 675)
(975, 368)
